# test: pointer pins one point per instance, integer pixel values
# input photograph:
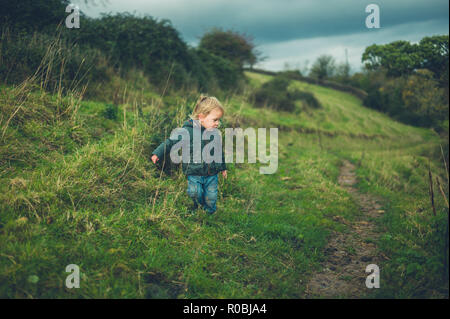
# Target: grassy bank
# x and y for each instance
(100, 203)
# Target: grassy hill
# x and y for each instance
(77, 187)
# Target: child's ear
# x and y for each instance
(201, 116)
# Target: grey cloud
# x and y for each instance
(271, 21)
(297, 52)
(294, 30)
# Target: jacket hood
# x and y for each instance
(192, 124)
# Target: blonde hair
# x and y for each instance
(205, 105)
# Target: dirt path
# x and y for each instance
(348, 254)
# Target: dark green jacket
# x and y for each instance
(191, 168)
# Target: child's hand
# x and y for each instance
(224, 174)
(154, 159)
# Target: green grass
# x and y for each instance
(101, 204)
(394, 159)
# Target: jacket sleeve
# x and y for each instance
(165, 147)
(162, 149)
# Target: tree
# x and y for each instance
(233, 46)
(398, 58)
(434, 53)
(343, 72)
(434, 57)
(403, 58)
(423, 97)
(324, 67)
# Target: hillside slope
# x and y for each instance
(101, 203)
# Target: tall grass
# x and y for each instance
(60, 66)
(97, 201)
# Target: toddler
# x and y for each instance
(202, 177)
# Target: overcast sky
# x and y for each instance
(294, 31)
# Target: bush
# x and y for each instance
(227, 75)
(137, 42)
(275, 94)
(416, 99)
(307, 98)
(127, 42)
(33, 15)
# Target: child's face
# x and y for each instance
(211, 120)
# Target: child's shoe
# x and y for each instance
(193, 209)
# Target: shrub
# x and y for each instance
(307, 98)
(275, 94)
(32, 15)
(227, 74)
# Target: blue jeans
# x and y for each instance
(203, 191)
